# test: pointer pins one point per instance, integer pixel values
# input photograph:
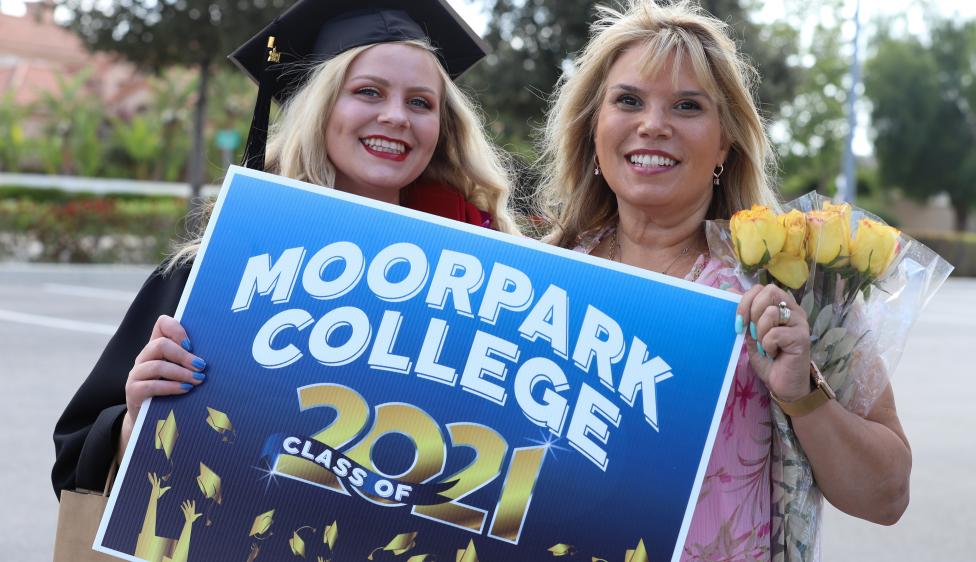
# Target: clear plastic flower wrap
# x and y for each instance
(862, 284)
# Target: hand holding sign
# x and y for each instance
(478, 390)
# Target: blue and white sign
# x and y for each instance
(388, 385)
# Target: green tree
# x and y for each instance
(924, 112)
(236, 107)
(810, 132)
(141, 139)
(770, 47)
(157, 34)
(172, 104)
(72, 121)
(12, 140)
(532, 42)
(153, 144)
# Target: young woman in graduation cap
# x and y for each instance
(368, 106)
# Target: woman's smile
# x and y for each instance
(649, 162)
(386, 148)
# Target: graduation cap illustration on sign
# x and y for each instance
(219, 422)
(280, 57)
(330, 535)
(209, 483)
(262, 524)
(166, 435)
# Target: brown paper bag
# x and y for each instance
(78, 519)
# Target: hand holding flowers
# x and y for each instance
(854, 287)
(779, 352)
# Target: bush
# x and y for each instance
(88, 229)
(958, 248)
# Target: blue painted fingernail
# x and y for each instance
(752, 330)
(185, 344)
(199, 364)
(200, 376)
(186, 386)
(738, 324)
(762, 351)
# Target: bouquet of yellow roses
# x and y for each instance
(862, 285)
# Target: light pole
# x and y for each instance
(849, 191)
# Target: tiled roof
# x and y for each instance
(27, 38)
(35, 52)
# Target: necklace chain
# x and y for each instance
(615, 245)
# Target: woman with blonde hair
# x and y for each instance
(463, 158)
(369, 106)
(652, 133)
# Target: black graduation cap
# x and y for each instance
(312, 31)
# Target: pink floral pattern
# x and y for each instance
(732, 519)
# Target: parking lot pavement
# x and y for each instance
(935, 391)
(55, 320)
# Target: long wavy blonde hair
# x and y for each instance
(464, 157)
(575, 200)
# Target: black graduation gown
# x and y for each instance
(86, 436)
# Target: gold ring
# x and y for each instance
(784, 314)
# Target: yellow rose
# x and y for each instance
(789, 270)
(874, 247)
(829, 234)
(795, 225)
(790, 266)
(757, 234)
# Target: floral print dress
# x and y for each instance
(732, 520)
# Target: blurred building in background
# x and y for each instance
(38, 57)
(934, 215)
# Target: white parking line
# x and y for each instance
(89, 292)
(53, 322)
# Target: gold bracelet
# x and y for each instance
(820, 395)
